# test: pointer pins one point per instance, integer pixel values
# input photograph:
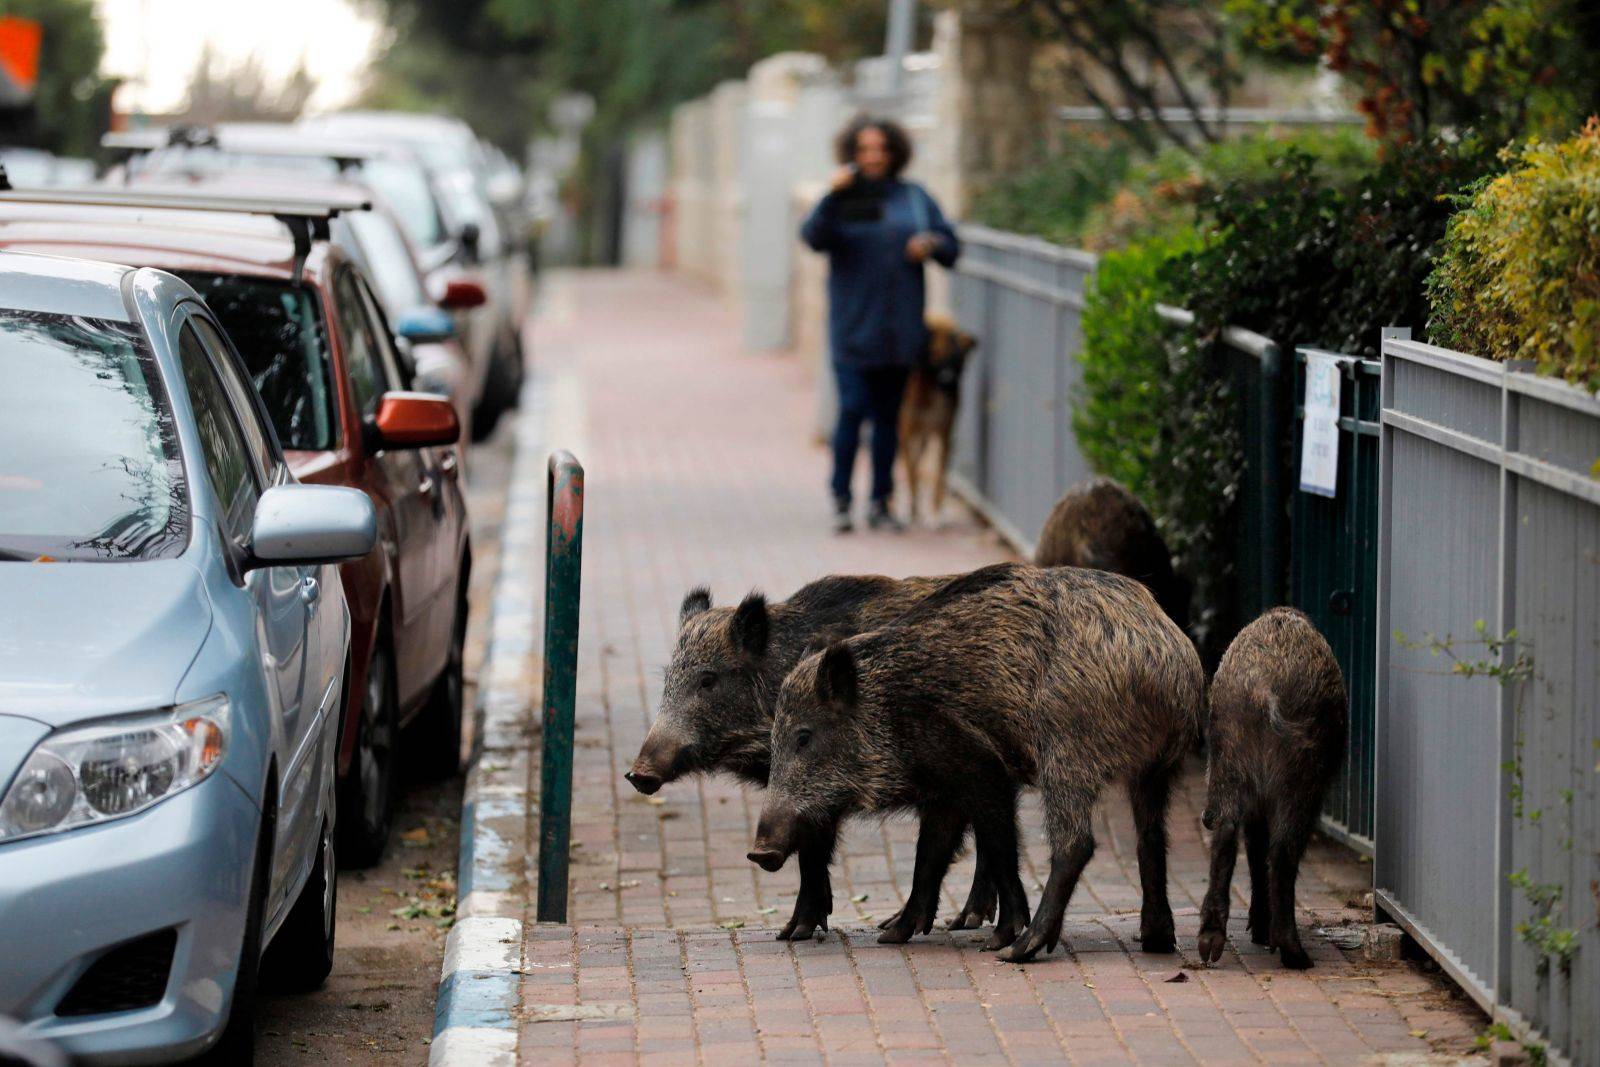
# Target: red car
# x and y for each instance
(322, 356)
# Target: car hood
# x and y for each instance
(83, 640)
(17, 738)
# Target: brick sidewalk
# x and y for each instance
(701, 470)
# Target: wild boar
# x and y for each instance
(1063, 678)
(1276, 738)
(1100, 524)
(722, 684)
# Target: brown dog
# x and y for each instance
(928, 412)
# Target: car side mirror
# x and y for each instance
(425, 326)
(415, 420)
(297, 525)
(463, 294)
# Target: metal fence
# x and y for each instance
(1015, 452)
(1488, 774)
(1334, 576)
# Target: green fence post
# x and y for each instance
(1274, 504)
(563, 567)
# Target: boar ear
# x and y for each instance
(749, 627)
(695, 601)
(968, 343)
(836, 676)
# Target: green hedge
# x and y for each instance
(1519, 272)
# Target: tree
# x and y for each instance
(72, 103)
(1133, 58)
(1501, 67)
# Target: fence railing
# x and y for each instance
(1488, 772)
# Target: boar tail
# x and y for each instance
(1289, 731)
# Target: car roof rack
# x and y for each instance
(292, 144)
(306, 218)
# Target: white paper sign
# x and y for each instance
(1319, 441)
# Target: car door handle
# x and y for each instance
(310, 591)
(425, 487)
(448, 463)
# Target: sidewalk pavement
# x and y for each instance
(701, 469)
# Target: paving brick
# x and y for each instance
(702, 468)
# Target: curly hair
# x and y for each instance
(899, 142)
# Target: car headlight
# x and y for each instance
(109, 769)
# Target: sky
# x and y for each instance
(158, 43)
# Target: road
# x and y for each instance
(377, 1006)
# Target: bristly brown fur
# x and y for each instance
(1099, 524)
(1064, 678)
(1276, 738)
(743, 652)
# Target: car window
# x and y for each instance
(278, 330)
(222, 444)
(387, 260)
(242, 395)
(363, 361)
(404, 186)
(90, 467)
(396, 369)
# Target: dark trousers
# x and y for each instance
(871, 395)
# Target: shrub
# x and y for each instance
(1153, 414)
(1051, 198)
(1519, 272)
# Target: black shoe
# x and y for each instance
(842, 522)
(880, 518)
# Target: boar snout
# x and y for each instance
(775, 836)
(643, 781)
(657, 764)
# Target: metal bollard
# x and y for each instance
(563, 569)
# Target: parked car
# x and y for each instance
(175, 652)
(477, 203)
(448, 227)
(320, 353)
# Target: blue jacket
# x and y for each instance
(875, 294)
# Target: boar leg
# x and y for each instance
(997, 860)
(1149, 793)
(814, 903)
(1283, 865)
(1255, 846)
(940, 473)
(1069, 811)
(1214, 910)
(937, 842)
(911, 442)
(982, 898)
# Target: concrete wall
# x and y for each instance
(645, 189)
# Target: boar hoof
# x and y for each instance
(1001, 937)
(1158, 937)
(1294, 957)
(892, 920)
(1027, 946)
(1211, 942)
(1260, 930)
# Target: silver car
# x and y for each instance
(171, 663)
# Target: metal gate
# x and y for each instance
(1334, 577)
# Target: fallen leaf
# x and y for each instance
(859, 897)
(1179, 977)
(1088, 985)
(732, 924)
(766, 911)
(365, 909)
(1419, 1033)
(657, 801)
(605, 885)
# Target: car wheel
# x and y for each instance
(439, 753)
(237, 1044)
(366, 809)
(301, 956)
(501, 389)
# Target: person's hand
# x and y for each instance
(842, 178)
(920, 247)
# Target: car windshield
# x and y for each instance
(89, 461)
(404, 186)
(278, 331)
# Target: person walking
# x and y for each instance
(877, 231)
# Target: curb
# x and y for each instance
(475, 1019)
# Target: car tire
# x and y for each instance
(439, 725)
(300, 957)
(501, 389)
(371, 788)
(236, 1046)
